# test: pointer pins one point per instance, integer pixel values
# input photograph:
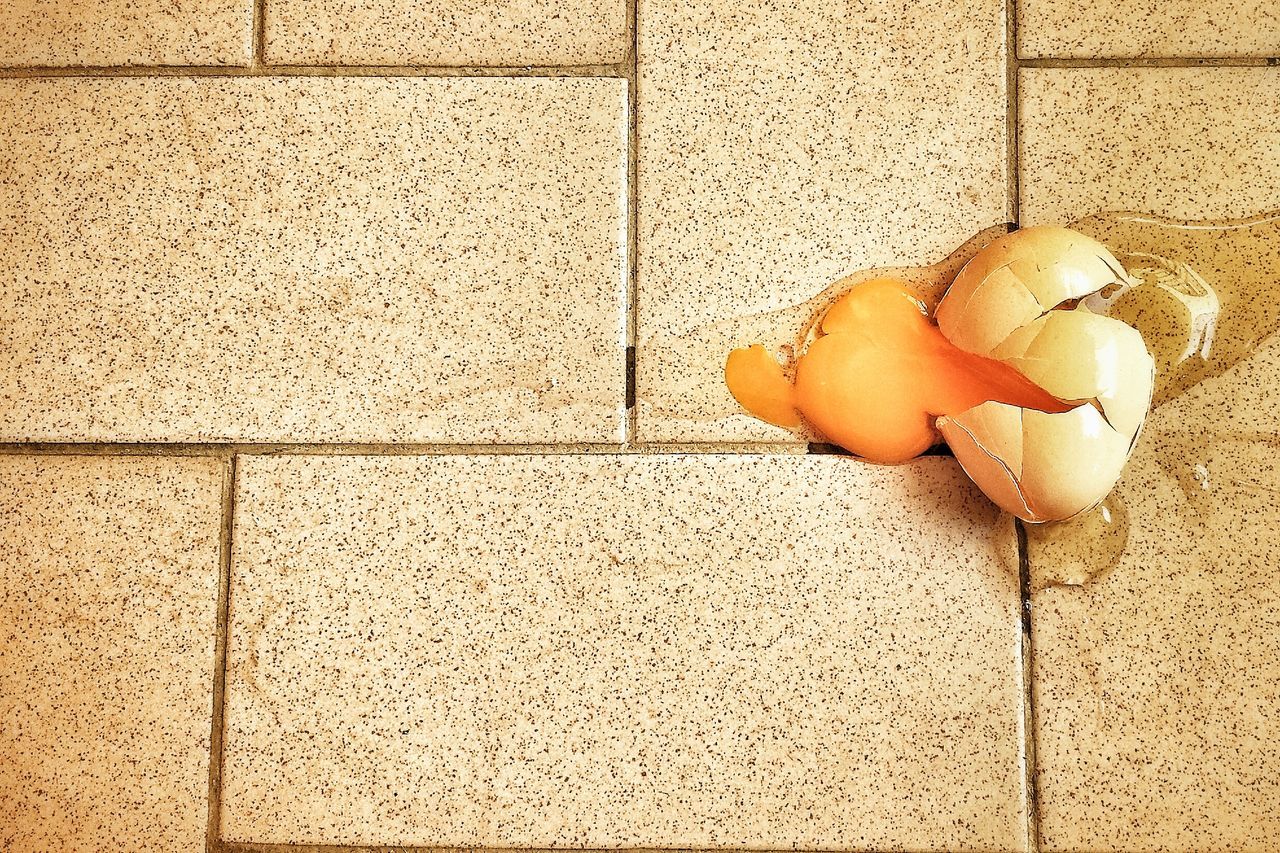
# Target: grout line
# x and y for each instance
(633, 216)
(1011, 111)
(260, 69)
(213, 840)
(277, 847)
(1151, 62)
(630, 402)
(1028, 695)
(259, 33)
(230, 450)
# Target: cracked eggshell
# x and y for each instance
(1078, 355)
(1017, 279)
(1008, 304)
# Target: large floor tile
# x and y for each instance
(281, 259)
(108, 613)
(1157, 685)
(126, 32)
(786, 651)
(783, 146)
(1143, 28)
(447, 32)
(1182, 142)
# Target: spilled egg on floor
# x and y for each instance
(1040, 399)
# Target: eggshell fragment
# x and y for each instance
(1018, 278)
(1035, 465)
(987, 440)
(1017, 302)
(1078, 355)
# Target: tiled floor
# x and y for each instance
(348, 498)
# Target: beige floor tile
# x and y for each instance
(621, 651)
(1143, 28)
(281, 259)
(783, 146)
(126, 32)
(1191, 143)
(108, 602)
(447, 32)
(1157, 685)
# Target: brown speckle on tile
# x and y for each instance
(1148, 28)
(447, 32)
(108, 596)
(1156, 686)
(784, 146)
(126, 32)
(1189, 143)
(622, 651)
(313, 259)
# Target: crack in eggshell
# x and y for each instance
(1010, 303)
(987, 430)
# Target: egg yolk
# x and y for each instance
(877, 376)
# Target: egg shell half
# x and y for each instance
(1017, 302)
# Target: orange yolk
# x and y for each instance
(877, 376)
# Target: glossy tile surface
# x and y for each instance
(783, 147)
(126, 32)
(1156, 685)
(1148, 28)
(108, 601)
(1196, 143)
(637, 651)
(312, 259)
(447, 32)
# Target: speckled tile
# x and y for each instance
(108, 602)
(783, 146)
(1157, 685)
(313, 259)
(621, 651)
(126, 32)
(1195, 143)
(1148, 28)
(447, 32)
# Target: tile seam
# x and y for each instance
(259, 44)
(226, 450)
(276, 847)
(213, 841)
(266, 70)
(623, 70)
(633, 219)
(1152, 62)
(1028, 703)
(1031, 818)
(1011, 109)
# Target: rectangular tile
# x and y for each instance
(1196, 143)
(312, 259)
(622, 651)
(1157, 684)
(784, 146)
(1148, 28)
(108, 598)
(447, 32)
(126, 32)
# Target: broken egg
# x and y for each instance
(1023, 301)
(1040, 399)
(875, 377)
